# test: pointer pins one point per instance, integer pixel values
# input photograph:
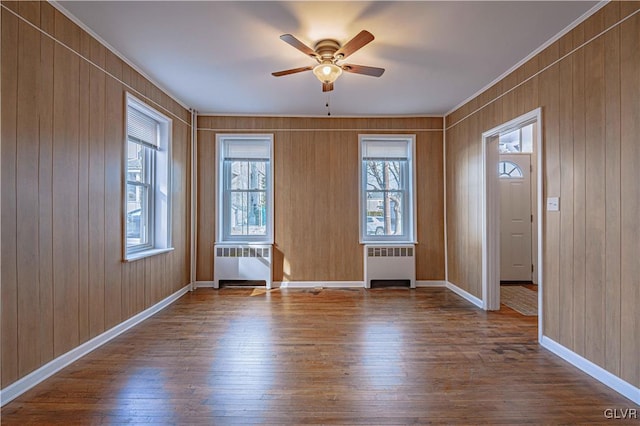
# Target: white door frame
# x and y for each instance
(491, 211)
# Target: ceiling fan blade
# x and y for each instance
(361, 69)
(363, 38)
(288, 38)
(291, 71)
(327, 87)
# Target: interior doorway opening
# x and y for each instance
(512, 209)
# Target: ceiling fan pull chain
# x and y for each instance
(327, 104)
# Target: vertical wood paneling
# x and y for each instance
(65, 200)
(45, 193)
(579, 199)
(630, 199)
(66, 31)
(151, 282)
(612, 202)
(62, 145)
(113, 151)
(206, 176)
(126, 289)
(465, 247)
(429, 251)
(83, 196)
(450, 202)
(591, 110)
(474, 215)
(282, 194)
(9, 287)
(180, 211)
(595, 202)
(140, 281)
(30, 10)
(454, 158)
(27, 148)
(565, 119)
(47, 18)
(96, 167)
(549, 96)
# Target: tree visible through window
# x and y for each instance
(385, 194)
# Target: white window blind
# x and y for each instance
(141, 128)
(247, 149)
(385, 149)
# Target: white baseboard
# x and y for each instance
(465, 295)
(200, 284)
(318, 284)
(326, 284)
(430, 283)
(614, 382)
(32, 379)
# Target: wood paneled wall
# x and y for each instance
(316, 193)
(63, 279)
(590, 99)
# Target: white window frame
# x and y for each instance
(159, 179)
(409, 236)
(222, 221)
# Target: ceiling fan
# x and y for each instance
(328, 53)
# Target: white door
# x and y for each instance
(515, 217)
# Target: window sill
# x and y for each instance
(145, 253)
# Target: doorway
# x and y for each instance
(512, 194)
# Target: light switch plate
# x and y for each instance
(553, 204)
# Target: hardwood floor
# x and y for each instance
(387, 356)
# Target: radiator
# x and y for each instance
(389, 262)
(242, 262)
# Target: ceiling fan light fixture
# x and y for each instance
(327, 73)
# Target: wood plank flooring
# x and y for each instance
(324, 356)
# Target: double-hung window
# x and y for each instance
(147, 171)
(387, 189)
(245, 188)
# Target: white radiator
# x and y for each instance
(251, 262)
(389, 262)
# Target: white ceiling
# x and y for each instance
(217, 57)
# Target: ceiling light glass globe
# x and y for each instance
(327, 73)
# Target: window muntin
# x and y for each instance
(509, 170)
(245, 188)
(517, 140)
(386, 202)
(147, 174)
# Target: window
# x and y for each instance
(147, 171)
(509, 170)
(245, 195)
(386, 188)
(517, 140)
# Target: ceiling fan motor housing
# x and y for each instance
(326, 49)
